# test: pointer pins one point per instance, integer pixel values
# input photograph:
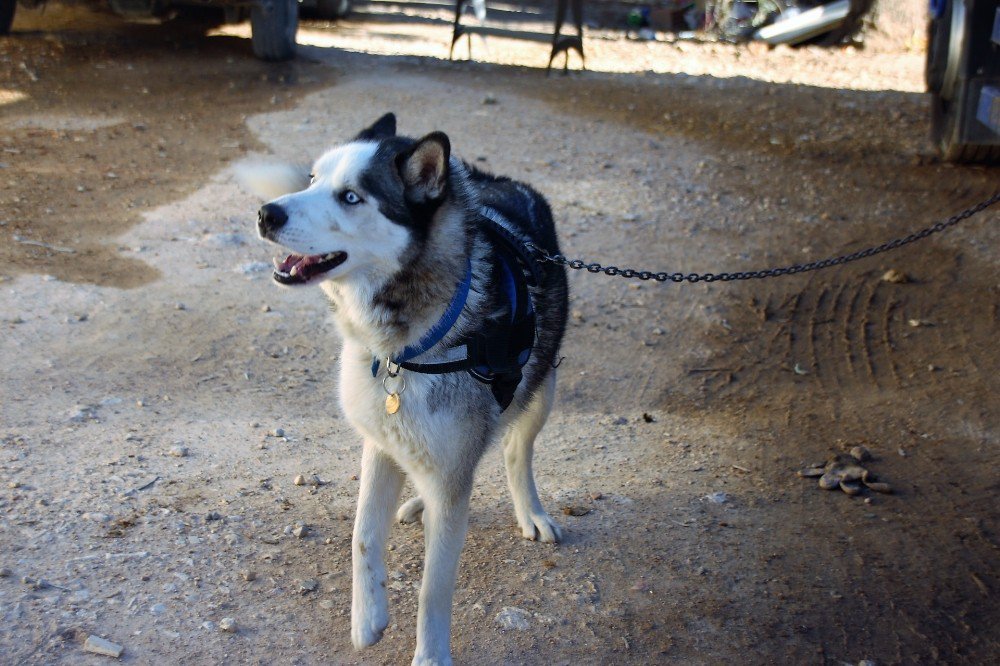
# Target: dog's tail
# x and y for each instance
(270, 180)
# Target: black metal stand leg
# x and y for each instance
(563, 44)
(456, 29)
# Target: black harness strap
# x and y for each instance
(496, 353)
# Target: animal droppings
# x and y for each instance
(844, 472)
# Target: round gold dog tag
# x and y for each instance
(392, 403)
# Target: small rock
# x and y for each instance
(208, 625)
(277, 432)
(301, 531)
(861, 453)
(851, 473)
(895, 277)
(13, 485)
(852, 488)
(596, 496)
(6, 572)
(158, 609)
(83, 413)
(829, 481)
(265, 308)
(213, 516)
(308, 585)
(513, 618)
(228, 625)
(811, 472)
(648, 418)
(249, 575)
(96, 517)
(98, 645)
(489, 99)
(326, 604)
(180, 306)
(575, 510)
(300, 480)
(178, 451)
(718, 497)
(36, 583)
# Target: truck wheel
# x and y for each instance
(273, 24)
(947, 60)
(7, 8)
(945, 132)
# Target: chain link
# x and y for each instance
(579, 264)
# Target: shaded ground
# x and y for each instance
(147, 321)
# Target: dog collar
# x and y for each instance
(437, 331)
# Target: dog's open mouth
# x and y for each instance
(299, 269)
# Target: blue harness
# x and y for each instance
(495, 353)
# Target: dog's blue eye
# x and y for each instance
(350, 197)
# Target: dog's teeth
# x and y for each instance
(294, 271)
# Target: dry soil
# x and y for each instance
(139, 322)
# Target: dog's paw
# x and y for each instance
(367, 626)
(411, 511)
(540, 527)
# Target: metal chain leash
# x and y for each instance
(579, 264)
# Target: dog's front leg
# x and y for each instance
(446, 517)
(381, 481)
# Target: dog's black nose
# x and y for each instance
(270, 218)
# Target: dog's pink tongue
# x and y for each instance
(298, 265)
(286, 265)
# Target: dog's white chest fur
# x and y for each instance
(420, 435)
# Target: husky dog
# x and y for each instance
(451, 332)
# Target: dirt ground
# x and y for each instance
(139, 323)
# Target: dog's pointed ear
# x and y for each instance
(383, 128)
(424, 168)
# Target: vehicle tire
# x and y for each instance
(945, 117)
(273, 24)
(333, 9)
(947, 55)
(7, 8)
